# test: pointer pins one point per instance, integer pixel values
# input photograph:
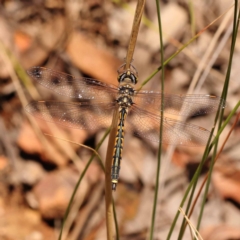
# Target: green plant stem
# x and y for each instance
(196, 177)
(224, 95)
(192, 16)
(78, 184)
(154, 210)
(178, 51)
(207, 151)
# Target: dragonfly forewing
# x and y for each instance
(68, 85)
(184, 105)
(82, 115)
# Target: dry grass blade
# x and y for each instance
(77, 204)
(218, 154)
(108, 182)
(202, 65)
(192, 228)
(210, 50)
(135, 29)
(79, 144)
(83, 217)
(181, 48)
(12, 63)
(114, 126)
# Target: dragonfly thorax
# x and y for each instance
(126, 90)
(126, 93)
(125, 101)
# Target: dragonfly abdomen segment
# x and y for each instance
(117, 156)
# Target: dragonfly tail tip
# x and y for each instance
(114, 186)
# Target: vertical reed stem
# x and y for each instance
(134, 33)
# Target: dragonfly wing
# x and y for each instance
(146, 125)
(68, 85)
(74, 115)
(185, 105)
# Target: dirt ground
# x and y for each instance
(89, 39)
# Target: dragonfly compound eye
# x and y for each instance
(128, 77)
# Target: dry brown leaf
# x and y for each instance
(172, 26)
(181, 158)
(23, 223)
(22, 41)
(3, 162)
(221, 232)
(129, 202)
(43, 39)
(227, 182)
(91, 60)
(29, 143)
(54, 191)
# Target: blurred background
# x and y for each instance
(89, 38)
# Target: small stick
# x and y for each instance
(134, 33)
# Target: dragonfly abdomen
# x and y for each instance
(117, 156)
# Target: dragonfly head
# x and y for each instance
(127, 77)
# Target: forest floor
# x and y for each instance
(89, 38)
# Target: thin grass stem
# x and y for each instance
(79, 182)
(114, 126)
(134, 33)
(192, 16)
(154, 210)
(224, 95)
(207, 151)
(180, 50)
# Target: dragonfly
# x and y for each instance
(139, 110)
